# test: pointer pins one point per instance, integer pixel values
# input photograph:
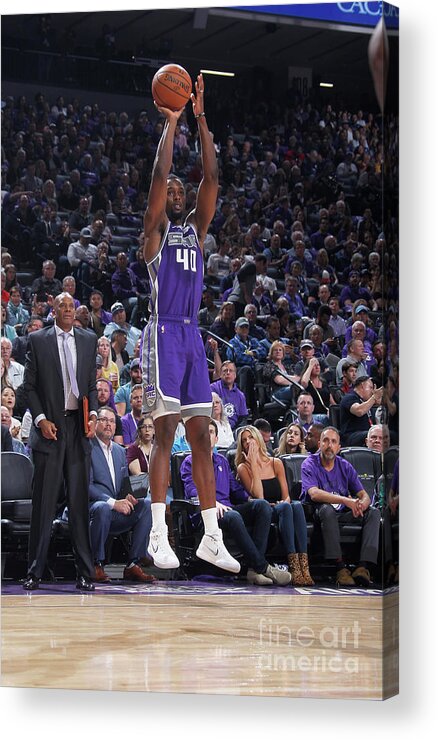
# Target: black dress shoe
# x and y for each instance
(31, 582)
(84, 584)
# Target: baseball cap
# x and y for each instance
(117, 307)
(86, 232)
(242, 322)
(362, 308)
(135, 363)
(306, 343)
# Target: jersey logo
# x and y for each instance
(229, 409)
(150, 394)
(174, 238)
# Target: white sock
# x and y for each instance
(158, 516)
(209, 518)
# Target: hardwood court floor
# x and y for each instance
(281, 643)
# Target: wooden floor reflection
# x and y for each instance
(295, 645)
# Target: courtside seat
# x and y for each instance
(17, 473)
(292, 465)
(367, 464)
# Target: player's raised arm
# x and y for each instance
(155, 217)
(208, 188)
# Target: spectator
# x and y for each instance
(264, 477)
(99, 318)
(47, 283)
(119, 354)
(358, 411)
(138, 453)
(312, 437)
(378, 438)
(265, 430)
(83, 250)
(349, 375)
(110, 371)
(124, 286)
(244, 349)
(331, 484)
(123, 394)
(119, 322)
(111, 511)
(305, 409)
(224, 326)
(209, 313)
(291, 441)
(14, 371)
(224, 431)
(296, 305)
(105, 397)
(131, 419)
(7, 331)
(80, 218)
(255, 331)
(17, 313)
(353, 292)
(316, 386)
(236, 512)
(278, 375)
(233, 399)
(356, 355)
(337, 323)
(19, 345)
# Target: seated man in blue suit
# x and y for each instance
(110, 512)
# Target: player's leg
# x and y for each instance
(159, 548)
(211, 548)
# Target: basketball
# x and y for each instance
(171, 86)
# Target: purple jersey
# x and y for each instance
(174, 365)
(177, 274)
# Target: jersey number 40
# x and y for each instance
(187, 257)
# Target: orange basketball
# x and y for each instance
(171, 86)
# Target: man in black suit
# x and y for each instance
(60, 370)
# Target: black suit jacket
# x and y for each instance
(44, 385)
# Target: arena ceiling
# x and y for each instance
(218, 38)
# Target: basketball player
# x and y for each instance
(174, 366)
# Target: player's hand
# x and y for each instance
(167, 113)
(48, 429)
(198, 99)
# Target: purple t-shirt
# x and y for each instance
(341, 480)
(129, 429)
(227, 487)
(233, 399)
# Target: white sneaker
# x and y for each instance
(278, 576)
(213, 550)
(160, 550)
(258, 579)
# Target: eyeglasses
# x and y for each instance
(107, 419)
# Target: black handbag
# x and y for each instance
(138, 485)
